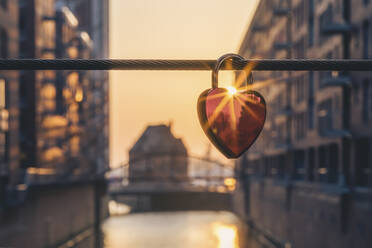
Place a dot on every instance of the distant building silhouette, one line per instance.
(157, 155)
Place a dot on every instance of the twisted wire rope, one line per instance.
(202, 65)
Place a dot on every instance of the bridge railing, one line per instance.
(172, 171)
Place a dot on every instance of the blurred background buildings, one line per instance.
(306, 182)
(53, 124)
(313, 158)
(49, 117)
(9, 86)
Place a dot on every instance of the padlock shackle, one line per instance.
(218, 65)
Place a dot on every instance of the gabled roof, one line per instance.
(158, 139)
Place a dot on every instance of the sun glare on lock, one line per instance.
(231, 90)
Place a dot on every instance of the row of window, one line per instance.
(3, 43)
(299, 120)
(367, 101)
(299, 14)
(316, 164)
(4, 116)
(304, 121)
(299, 87)
(326, 111)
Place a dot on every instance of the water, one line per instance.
(174, 229)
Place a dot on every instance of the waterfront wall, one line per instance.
(52, 217)
(305, 215)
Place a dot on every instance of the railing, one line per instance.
(167, 171)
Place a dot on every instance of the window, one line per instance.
(3, 124)
(299, 88)
(325, 121)
(299, 49)
(281, 167)
(299, 125)
(311, 104)
(333, 165)
(3, 43)
(356, 93)
(2, 93)
(366, 102)
(325, 75)
(299, 14)
(365, 40)
(311, 113)
(311, 164)
(299, 162)
(325, 19)
(362, 162)
(311, 23)
(328, 163)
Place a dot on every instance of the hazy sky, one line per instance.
(172, 29)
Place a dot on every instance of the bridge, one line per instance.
(207, 185)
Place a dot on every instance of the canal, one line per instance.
(174, 229)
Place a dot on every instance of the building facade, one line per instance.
(9, 112)
(311, 167)
(96, 106)
(64, 114)
(53, 125)
(158, 156)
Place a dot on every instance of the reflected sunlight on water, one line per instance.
(227, 235)
(173, 229)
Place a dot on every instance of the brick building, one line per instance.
(310, 170)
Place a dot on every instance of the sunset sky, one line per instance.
(168, 29)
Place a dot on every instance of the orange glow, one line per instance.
(138, 98)
(227, 235)
(40, 171)
(231, 90)
(230, 183)
(79, 95)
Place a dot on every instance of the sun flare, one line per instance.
(231, 90)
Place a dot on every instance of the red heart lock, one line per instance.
(232, 119)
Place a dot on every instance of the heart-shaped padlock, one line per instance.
(232, 118)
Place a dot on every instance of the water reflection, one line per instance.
(226, 235)
(173, 229)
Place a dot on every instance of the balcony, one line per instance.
(335, 81)
(282, 46)
(259, 28)
(281, 12)
(336, 28)
(335, 133)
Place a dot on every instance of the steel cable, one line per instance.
(202, 65)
